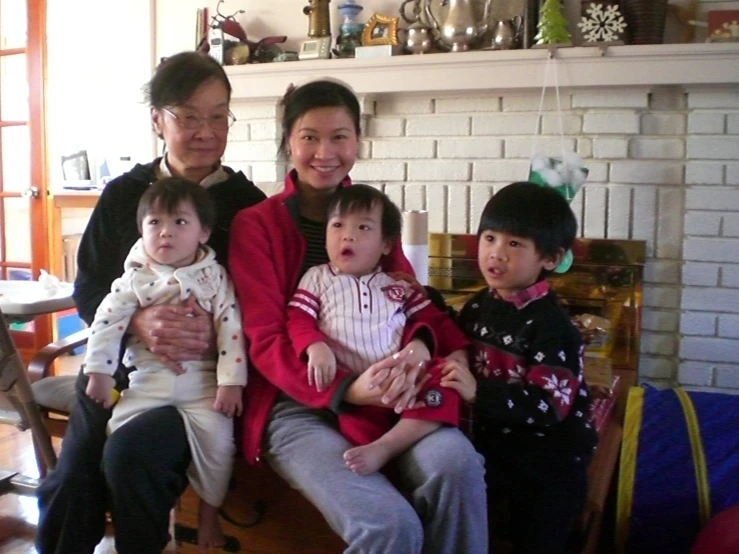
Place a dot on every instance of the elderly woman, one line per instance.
(144, 462)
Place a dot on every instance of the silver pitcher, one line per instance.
(460, 29)
(419, 37)
(507, 34)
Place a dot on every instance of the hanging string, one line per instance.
(541, 107)
(559, 113)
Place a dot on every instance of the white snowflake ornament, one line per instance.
(602, 23)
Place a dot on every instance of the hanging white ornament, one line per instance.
(602, 24)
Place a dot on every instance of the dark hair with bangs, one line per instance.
(316, 94)
(179, 76)
(168, 193)
(363, 198)
(534, 212)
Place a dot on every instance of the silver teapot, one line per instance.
(460, 30)
(419, 38)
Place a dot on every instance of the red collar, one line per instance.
(524, 297)
(291, 182)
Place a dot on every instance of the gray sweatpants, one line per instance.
(442, 473)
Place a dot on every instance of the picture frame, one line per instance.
(380, 29)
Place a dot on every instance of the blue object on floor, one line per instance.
(679, 466)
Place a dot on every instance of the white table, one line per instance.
(25, 300)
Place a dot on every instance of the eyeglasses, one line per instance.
(191, 121)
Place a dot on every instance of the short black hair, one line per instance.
(317, 94)
(179, 76)
(364, 198)
(534, 212)
(168, 193)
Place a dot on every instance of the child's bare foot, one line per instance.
(210, 534)
(368, 458)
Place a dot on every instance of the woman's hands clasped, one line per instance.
(176, 332)
(395, 381)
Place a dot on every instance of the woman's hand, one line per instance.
(176, 333)
(393, 382)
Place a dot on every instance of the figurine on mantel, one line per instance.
(553, 25)
(351, 30)
(242, 50)
(319, 18)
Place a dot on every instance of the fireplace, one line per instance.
(603, 291)
(656, 125)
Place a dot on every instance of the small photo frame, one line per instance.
(380, 29)
(723, 25)
(76, 167)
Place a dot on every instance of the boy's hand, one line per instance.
(321, 365)
(229, 400)
(461, 356)
(456, 375)
(100, 389)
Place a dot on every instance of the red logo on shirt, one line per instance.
(394, 293)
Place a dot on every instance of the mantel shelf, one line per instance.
(467, 72)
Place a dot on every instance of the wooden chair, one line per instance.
(18, 408)
(55, 395)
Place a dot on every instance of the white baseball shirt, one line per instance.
(363, 318)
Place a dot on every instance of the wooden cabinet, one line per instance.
(59, 201)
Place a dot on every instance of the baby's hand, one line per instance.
(100, 389)
(321, 365)
(229, 400)
(456, 375)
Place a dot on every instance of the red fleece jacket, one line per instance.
(266, 252)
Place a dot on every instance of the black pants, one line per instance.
(544, 493)
(138, 473)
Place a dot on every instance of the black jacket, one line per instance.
(112, 229)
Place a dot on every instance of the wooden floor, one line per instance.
(308, 533)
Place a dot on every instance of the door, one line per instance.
(23, 169)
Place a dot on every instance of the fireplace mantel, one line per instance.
(689, 65)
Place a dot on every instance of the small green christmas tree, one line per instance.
(552, 24)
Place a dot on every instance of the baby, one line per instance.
(361, 314)
(168, 264)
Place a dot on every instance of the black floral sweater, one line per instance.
(527, 357)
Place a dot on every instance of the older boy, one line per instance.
(529, 401)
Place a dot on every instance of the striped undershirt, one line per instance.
(314, 233)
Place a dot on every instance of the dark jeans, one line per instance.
(544, 492)
(138, 472)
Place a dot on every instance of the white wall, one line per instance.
(100, 54)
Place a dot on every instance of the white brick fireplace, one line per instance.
(657, 126)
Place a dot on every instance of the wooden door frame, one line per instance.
(36, 64)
